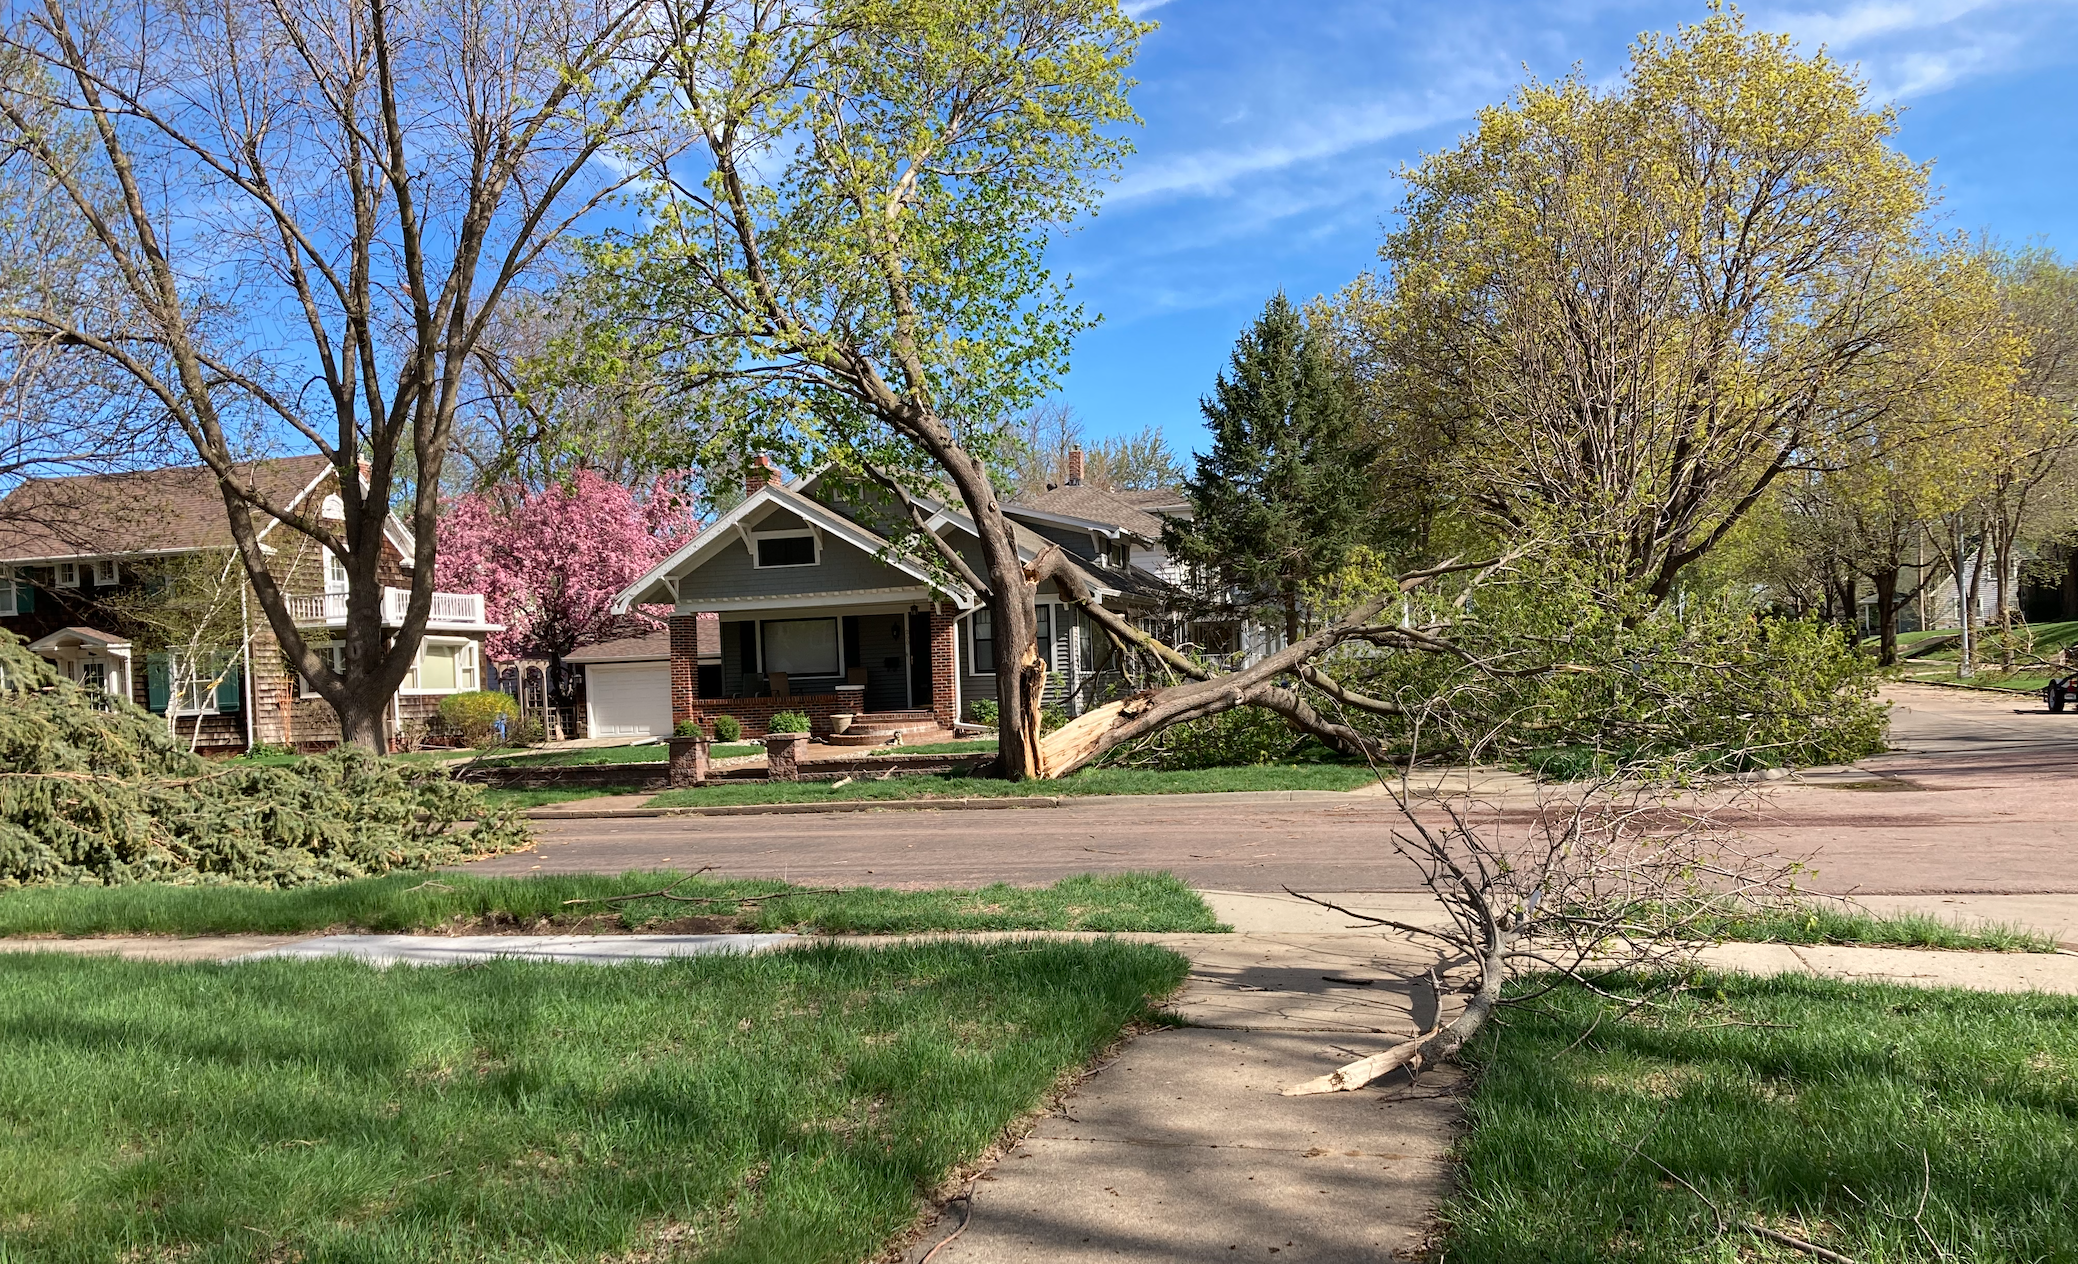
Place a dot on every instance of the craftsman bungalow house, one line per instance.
(69, 546)
(817, 612)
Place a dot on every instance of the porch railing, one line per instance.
(449, 609)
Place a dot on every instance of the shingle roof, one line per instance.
(147, 511)
(651, 645)
(1127, 511)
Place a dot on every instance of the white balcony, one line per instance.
(450, 610)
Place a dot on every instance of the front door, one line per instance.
(919, 639)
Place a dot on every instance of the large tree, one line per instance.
(1283, 494)
(1633, 309)
(302, 220)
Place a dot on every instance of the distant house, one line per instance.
(70, 546)
(813, 609)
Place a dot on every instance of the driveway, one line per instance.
(1978, 796)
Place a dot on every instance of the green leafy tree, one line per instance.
(1282, 496)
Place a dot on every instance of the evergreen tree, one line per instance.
(1281, 498)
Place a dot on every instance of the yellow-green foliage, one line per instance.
(95, 791)
(474, 716)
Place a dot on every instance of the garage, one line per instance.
(628, 699)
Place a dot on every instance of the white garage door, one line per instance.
(629, 698)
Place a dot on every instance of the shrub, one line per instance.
(1231, 739)
(789, 722)
(473, 717)
(98, 792)
(689, 728)
(990, 715)
(727, 728)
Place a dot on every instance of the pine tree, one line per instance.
(1281, 498)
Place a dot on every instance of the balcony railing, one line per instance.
(449, 609)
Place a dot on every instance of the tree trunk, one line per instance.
(1885, 581)
(1962, 600)
(364, 725)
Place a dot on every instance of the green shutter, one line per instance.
(228, 691)
(24, 596)
(155, 687)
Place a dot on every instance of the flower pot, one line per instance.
(841, 722)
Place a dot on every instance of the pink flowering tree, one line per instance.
(550, 562)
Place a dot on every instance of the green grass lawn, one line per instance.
(1088, 781)
(647, 753)
(1822, 1109)
(403, 902)
(541, 797)
(784, 1108)
(1826, 924)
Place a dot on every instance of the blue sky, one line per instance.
(1274, 130)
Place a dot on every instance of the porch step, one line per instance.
(896, 722)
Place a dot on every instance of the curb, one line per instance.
(945, 805)
(787, 809)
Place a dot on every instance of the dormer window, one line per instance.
(787, 548)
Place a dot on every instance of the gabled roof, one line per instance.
(1133, 512)
(65, 637)
(172, 510)
(727, 530)
(177, 509)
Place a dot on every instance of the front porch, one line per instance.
(889, 669)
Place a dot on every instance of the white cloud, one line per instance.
(1909, 48)
(1206, 172)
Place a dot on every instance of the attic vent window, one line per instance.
(786, 550)
(334, 509)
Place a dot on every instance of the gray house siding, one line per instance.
(844, 568)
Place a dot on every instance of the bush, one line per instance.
(789, 722)
(688, 728)
(986, 713)
(727, 728)
(1231, 739)
(473, 717)
(100, 793)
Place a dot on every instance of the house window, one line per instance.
(93, 674)
(68, 574)
(7, 598)
(335, 572)
(201, 683)
(983, 638)
(334, 509)
(794, 548)
(104, 571)
(801, 647)
(443, 666)
(1044, 633)
(334, 656)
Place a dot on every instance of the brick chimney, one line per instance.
(1075, 466)
(761, 476)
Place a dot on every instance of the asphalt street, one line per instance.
(1976, 796)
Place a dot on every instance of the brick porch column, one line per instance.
(945, 660)
(685, 666)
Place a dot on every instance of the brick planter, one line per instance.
(689, 760)
(783, 755)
